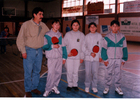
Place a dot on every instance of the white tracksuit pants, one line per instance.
(113, 66)
(91, 73)
(72, 66)
(54, 73)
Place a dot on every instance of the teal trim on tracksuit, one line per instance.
(125, 54)
(60, 40)
(64, 50)
(104, 54)
(112, 44)
(48, 46)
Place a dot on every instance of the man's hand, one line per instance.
(64, 61)
(81, 60)
(93, 54)
(70, 54)
(24, 55)
(106, 63)
(56, 46)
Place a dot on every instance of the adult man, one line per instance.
(29, 42)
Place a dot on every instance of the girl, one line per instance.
(92, 58)
(74, 40)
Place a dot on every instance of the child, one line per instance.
(56, 53)
(114, 53)
(74, 40)
(91, 58)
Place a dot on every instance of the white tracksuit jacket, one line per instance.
(90, 41)
(74, 40)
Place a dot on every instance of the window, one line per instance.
(108, 4)
(72, 8)
(121, 3)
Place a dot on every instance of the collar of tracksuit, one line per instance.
(54, 32)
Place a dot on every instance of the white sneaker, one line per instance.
(56, 90)
(86, 89)
(95, 90)
(46, 93)
(119, 91)
(106, 90)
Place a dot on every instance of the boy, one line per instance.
(114, 53)
(54, 53)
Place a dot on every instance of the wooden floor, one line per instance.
(12, 73)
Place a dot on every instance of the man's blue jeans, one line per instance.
(32, 66)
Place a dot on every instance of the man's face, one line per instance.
(115, 28)
(56, 26)
(75, 26)
(39, 16)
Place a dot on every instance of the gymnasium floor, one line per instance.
(12, 79)
(130, 80)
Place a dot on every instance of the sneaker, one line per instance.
(69, 88)
(76, 88)
(106, 90)
(119, 91)
(56, 91)
(46, 93)
(95, 90)
(86, 89)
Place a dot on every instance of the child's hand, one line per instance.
(106, 63)
(81, 60)
(93, 55)
(123, 63)
(64, 61)
(70, 54)
(56, 46)
(100, 59)
(24, 55)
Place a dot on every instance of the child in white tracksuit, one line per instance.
(114, 53)
(57, 55)
(73, 39)
(91, 58)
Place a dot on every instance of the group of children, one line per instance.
(112, 49)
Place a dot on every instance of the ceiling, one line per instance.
(41, 0)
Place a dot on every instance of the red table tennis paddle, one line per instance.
(74, 52)
(95, 49)
(55, 40)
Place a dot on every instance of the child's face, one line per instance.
(75, 26)
(56, 26)
(92, 29)
(115, 28)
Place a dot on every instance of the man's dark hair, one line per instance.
(75, 20)
(115, 22)
(36, 10)
(55, 21)
(92, 23)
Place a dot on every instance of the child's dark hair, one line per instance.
(36, 10)
(55, 21)
(115, 22)
(75, 20)
(92, 23)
